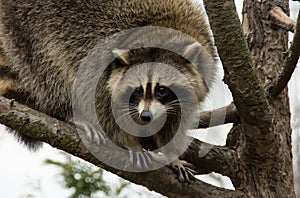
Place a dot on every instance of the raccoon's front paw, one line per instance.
(141, 160)
(184, 174)
(89, 132)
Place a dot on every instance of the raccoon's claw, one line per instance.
(185, 174)
(90, 132)
(140, 160)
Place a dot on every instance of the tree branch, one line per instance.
(289, 64)
(249, 96)
(215, 158)
(64, 136)
(208, 158)
(282, 20)
(216, 117)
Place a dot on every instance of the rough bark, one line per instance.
(281, 19)
(216, 117)
(263, 139)
(290, 63)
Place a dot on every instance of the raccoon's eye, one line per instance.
(138, 91)
(161, 91)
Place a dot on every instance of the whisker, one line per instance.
(129, 112)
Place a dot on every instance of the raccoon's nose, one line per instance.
(146, 116)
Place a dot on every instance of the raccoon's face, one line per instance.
(152, 100)
(152, 93)
(153, 84)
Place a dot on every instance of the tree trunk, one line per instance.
(264, 148)
(268, 54)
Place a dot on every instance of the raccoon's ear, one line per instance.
(122, 55)
(201, 59)
(192, 51)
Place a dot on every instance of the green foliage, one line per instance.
(85, 179)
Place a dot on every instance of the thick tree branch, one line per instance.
(240, 75)
(64, 136)
(216, 117)
(215, 158)
(289, 64)
(282, 20)
(208, 158)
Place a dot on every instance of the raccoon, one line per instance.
(152, 88)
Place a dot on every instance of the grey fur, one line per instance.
(46, 41)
